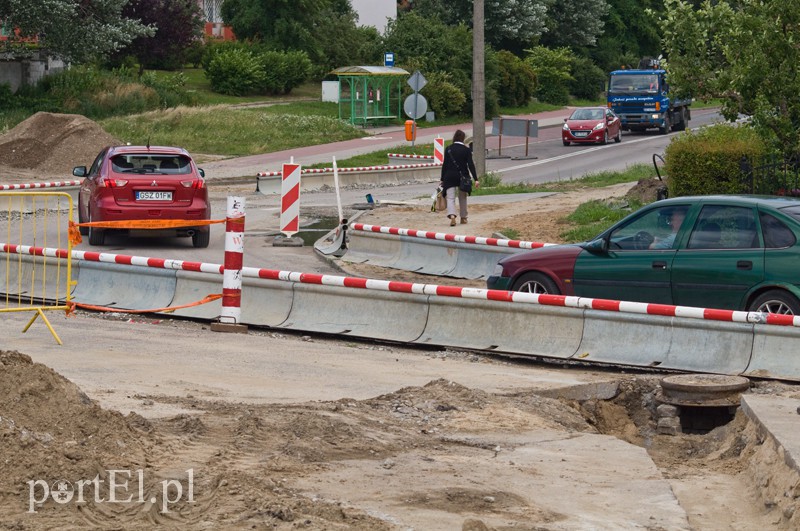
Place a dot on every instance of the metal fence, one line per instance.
(774, 176)
(34, 282)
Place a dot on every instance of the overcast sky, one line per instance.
(374, 12)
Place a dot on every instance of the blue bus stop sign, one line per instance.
(388, 59)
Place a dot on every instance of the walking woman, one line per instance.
(458, 172)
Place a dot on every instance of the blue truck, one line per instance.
(642, 100)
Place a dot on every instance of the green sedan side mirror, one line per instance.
(598, 246)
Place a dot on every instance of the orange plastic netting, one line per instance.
(71, 306)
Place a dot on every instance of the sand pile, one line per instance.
(52, 144)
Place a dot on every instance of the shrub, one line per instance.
(588, 80)
(7, 99)
(236, 72)
(194, 53)
(297, 70)
(517, 80)
(444, 98)
(707, 161)
(171, 89)
(273, 64)
(283, 71)
(552, 68)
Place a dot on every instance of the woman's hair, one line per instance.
(459, 136)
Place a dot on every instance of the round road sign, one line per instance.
(415, 106)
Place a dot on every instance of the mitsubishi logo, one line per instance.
(154, 183)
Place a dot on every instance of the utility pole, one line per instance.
(478, 89)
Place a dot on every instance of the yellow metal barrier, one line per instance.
(34, 281)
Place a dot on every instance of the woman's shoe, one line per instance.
(463, 221)
(452, 221)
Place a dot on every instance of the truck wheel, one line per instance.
(681, 126)
(667, 125)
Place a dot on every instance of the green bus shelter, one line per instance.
(370, 94)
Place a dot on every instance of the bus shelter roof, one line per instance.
(370, 71)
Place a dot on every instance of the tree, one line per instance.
(745, 54)
(509, 24)
(178, 23)
(325, 29)
(574, 23)
(73, 30)
(432, 45)
(630, 32)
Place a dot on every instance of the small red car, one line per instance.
(144, 182)
(591, 125)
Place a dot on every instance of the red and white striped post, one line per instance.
(232, 270)
(438, 150)
(290, 199)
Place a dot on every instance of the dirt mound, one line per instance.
(51, 430)
(53, 143)
(646, 190)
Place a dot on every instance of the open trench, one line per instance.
(725, 472)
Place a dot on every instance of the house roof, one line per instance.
(370, 71)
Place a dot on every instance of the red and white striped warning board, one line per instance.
(438, 150)
(290, 199)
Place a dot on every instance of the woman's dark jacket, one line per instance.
(456, 156)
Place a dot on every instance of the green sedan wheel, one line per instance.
(776, 301)
(536, 283)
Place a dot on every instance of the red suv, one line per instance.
(144, 182)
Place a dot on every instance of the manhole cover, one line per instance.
(703, 390)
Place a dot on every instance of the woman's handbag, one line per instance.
(466, 183)
(439, 202)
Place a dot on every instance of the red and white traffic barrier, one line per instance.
(438, 150)
(666, 310)
(443, 236)
(234, 257)
(352, 169)
(290, 199)
(405, 156)
(31, 186)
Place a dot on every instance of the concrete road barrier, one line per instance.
(473, 262)
(35, 277)
(191, 286)
(530, 329)
(375, 249)
(266, 302)
(425, 256)
(591, 330)
(666, 342)
(775, 353)
(356, 312)
(431, 253)
(124, 286)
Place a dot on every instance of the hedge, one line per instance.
(708, 161)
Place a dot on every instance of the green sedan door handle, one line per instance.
(747, 265)
(658, 264)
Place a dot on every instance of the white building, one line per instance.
(375, 12)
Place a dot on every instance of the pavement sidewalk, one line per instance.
(379, 138)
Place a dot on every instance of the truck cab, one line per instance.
(642, 100)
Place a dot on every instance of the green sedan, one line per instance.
(728, 252)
